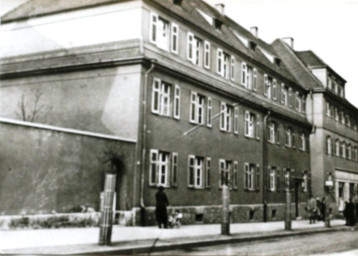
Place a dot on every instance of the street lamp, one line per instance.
(329, 186)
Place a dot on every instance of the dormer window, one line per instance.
(177, 2)
(252, 45)
(277, 61)
(218, 23)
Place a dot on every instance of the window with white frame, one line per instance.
(251, 176)
(298, 102)
(225, 172)
(329, 145)
(235, 175)
(244, 74)
(197, 108)
(207, 54)
(336, 115)
(337, 148)
(254, 79)
(343, 149)
(286, 175)
(272, 177)
(174, 174)
(160, 32)
(236, 119)
(303, 142)
(175, 38)
(161, 98)
(349, 152)
(356, 154)
(222, 63)
(209, 112)
(252, 125)
(305, 182)
(288, 140)
(195, 171)
(159, 168)
(248, 76)
(232, 68)
(290, 97)
(284, 95)
(226, 112)
(328, 108)
(273, 133)
(274, 89)
(194, 49)
(208, 172)
(267, 86)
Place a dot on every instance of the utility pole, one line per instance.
(329, 185)
(106, 222)
(225, 221)
(288, 225)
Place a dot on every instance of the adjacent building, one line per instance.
(163, 93)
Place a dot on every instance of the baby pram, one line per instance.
(174, 219)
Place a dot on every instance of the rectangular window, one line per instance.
(298, 102)
(244, 74)
(274, 90)
(343, 149)
(290, 97)
(267, 86)
(208, 171)
(235, 175)
(226, 112)
(284, 95)
(159, 168)
(176, 102)
(225, 172)
(303, 104)
(161, 98)
(175, 38)
(251, 125)
(232, 70)
(254, 80)
(194, 49)
(337, 148)
(305, 182)
(303, 142)
(272, 132)
(328, 108)
(219, 61)
(159, 31)
(236, 120)
(174, 174)
(272, 179)
(209, 112)
(288, 141)
(249, 176)
(349, 152)
(195, 171)
(197, 108)
(226, 66)
(207, 54)
(328, 145)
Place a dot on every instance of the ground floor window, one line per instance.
(162, 166)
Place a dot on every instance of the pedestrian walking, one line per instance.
(323, 208)
(311, 209)
(161, 208)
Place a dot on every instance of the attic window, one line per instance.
(218, 24)
(252, 45)
(278, 61)
(177, 2)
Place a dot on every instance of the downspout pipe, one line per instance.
(264, 166)
(143, 139)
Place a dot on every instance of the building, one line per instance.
(334, 140)
(184, 98)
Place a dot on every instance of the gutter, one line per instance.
(143, 140)
(264, 166)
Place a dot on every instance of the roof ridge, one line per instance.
(290, 50)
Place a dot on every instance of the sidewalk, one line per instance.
(137, 239)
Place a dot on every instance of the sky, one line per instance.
(327, 27)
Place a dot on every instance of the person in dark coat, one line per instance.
(323, 208)
(349, 213)
(161, 207)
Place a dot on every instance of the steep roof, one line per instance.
(188, 10)
(310, 59)
(36, 8)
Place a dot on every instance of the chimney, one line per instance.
(289, 41)
(220, 8)
(255, 31)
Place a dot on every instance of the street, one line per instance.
(337, 243)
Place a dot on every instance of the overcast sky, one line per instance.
(327, 27)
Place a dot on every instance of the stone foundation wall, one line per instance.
(212, 214)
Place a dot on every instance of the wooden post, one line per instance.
(106, 221)
(225, 223)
